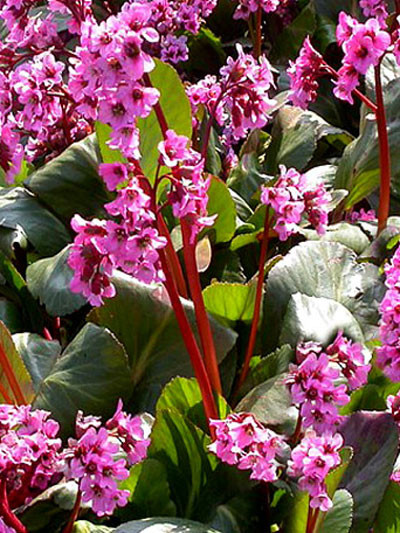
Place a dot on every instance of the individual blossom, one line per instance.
(293, 197)
(4, 528)
(388, 354)
(311, 461)
(243, 441)
(304, 74)
(393, 405)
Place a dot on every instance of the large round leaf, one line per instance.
(19, 208)
(317, 319)
(70, 183)
(148, 329)
(321, 269)
(49, 280)
(91, 376)
(373, 436)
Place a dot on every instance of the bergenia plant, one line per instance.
(190, 252)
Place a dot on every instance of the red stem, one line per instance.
(206, 336)
(312, 519)
(190, 342)
(12, 380)
(157, 108)
(257, 305)
(295, 437)
(172, 258)
(75, 512)
(258, 39)
(6, 513)
(384, 153)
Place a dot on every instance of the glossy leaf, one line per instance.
(70, 183)
(176, 108)
(49, 280)
(155, 347)
(230, 301)
(339, 517)
(220, 203)
(91, 375)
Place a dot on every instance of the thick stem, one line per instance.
(257, 304)
(75, 513)
(12, 380)
(312, 520)
(190, 342)
(297, 432)
(6, 513)
(384, 153)
(172, 258)
(157, 108)
(203, 322)
(258, 35)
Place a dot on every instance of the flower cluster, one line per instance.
(242, 441)
(4, 528)
(95, 459)
(393, 404)
(105, 78)
(173, 18)
(293, 196)
(240, 100)
(363, 45)
(29, 452)
(313, 383)
(188, 194)
(311, 461)
(130, 241)
(304, 74)
(361, 216)
(247, 7)
(376, 9)
(388, 354)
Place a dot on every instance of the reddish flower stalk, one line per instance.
(206, 336)
(190, 343)
(75, 512)
(172, 258)
(384, 153)
(12, 380)
(257, 305)
(6, 513)
(297, 432)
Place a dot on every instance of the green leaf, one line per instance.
(319, 269)
(38, 354)
(164, 525)
(271, 403)
(82, 526)
(317, 319)
(230, 301)
(150, 492)
(262, 369)
(359, 169)
(49, 280)
(220, 203)
(347, 234)
(184, 395)
(19, 209)
(108, 155)
(70, 183)
(298, 517)
(388, 517)
(176, 108)
(206, 52)
(291, 38)
(339, 517)
(10, 315)
(11, 359)
(373, 436)
(91, 375)
(155, 347)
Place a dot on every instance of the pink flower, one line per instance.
(173, 149)
(113, 174)
(304, 74)
(376, 9)
(247, 7)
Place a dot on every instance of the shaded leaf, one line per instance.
(164, 525)
(388, 517)
(91, 375)
(220, 203)
(339, 517)
(49, 280)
